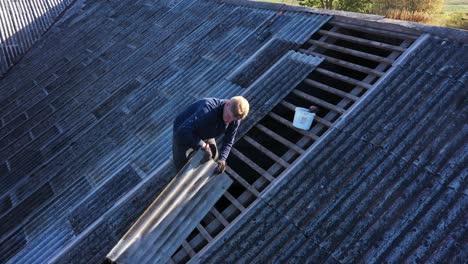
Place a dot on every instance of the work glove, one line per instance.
(207, 155)
(221, 166)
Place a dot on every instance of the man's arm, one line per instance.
(228, 141)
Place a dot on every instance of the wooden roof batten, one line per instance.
(352, 52)
(345, 64)
(362, 41)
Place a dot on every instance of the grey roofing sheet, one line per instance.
(97, 95)
(22, 23)
(162, 228)
(284, 75)
(388, 182)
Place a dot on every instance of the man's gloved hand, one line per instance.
(207, 153)
(221, 166)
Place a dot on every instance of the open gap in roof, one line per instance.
(241, 168)
(279, 128)
(315, 92)
(363, 48)
(268, 142)
(221, 205)
(343, 70)
(350, 58)
(332, 82)
(236, 189)
(254, 154)
(374, 37)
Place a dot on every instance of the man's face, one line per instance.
(228, 116)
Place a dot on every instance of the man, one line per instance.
(198, 125)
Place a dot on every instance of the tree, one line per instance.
(362, 6)
(345, 5)
(326, 4)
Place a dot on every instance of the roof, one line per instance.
(388, 183)
(85, 135)
(22, 23)
(86, 115)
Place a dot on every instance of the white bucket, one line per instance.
(303, 118)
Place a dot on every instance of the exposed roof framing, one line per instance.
(274, 143)
(350, 51)
(373, 30)
(346, 64)
(362, 41)
(386, 177)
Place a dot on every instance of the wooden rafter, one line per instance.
(252, 164)
(344, 78)
(291, 126)
(266, 151)
(376, 31)
(362, 41)
(315, 100)
(346, 64)
(349, 51)
(330, 89)
(243, 182)
(188, 249)
(204, 233)
(280, 139)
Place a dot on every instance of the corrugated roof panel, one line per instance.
(292, 31)
(157, 234)
(52, 240)
(46, 218)
(386, 183)
(22, 23)
(96, 102)
(234, 37)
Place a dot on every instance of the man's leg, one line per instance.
(178, 154)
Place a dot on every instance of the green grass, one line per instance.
(455, 8)
(456, 2)
(454, 14)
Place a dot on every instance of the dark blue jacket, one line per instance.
(204, 120)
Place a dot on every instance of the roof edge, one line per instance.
(455, 34)
(303, 9)
(377, 21)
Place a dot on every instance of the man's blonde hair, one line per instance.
(239, 107)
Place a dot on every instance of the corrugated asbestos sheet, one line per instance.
(158, 232)
(86, 116)
(388, 183)
(22, 23)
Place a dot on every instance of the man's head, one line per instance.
(237, 108)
